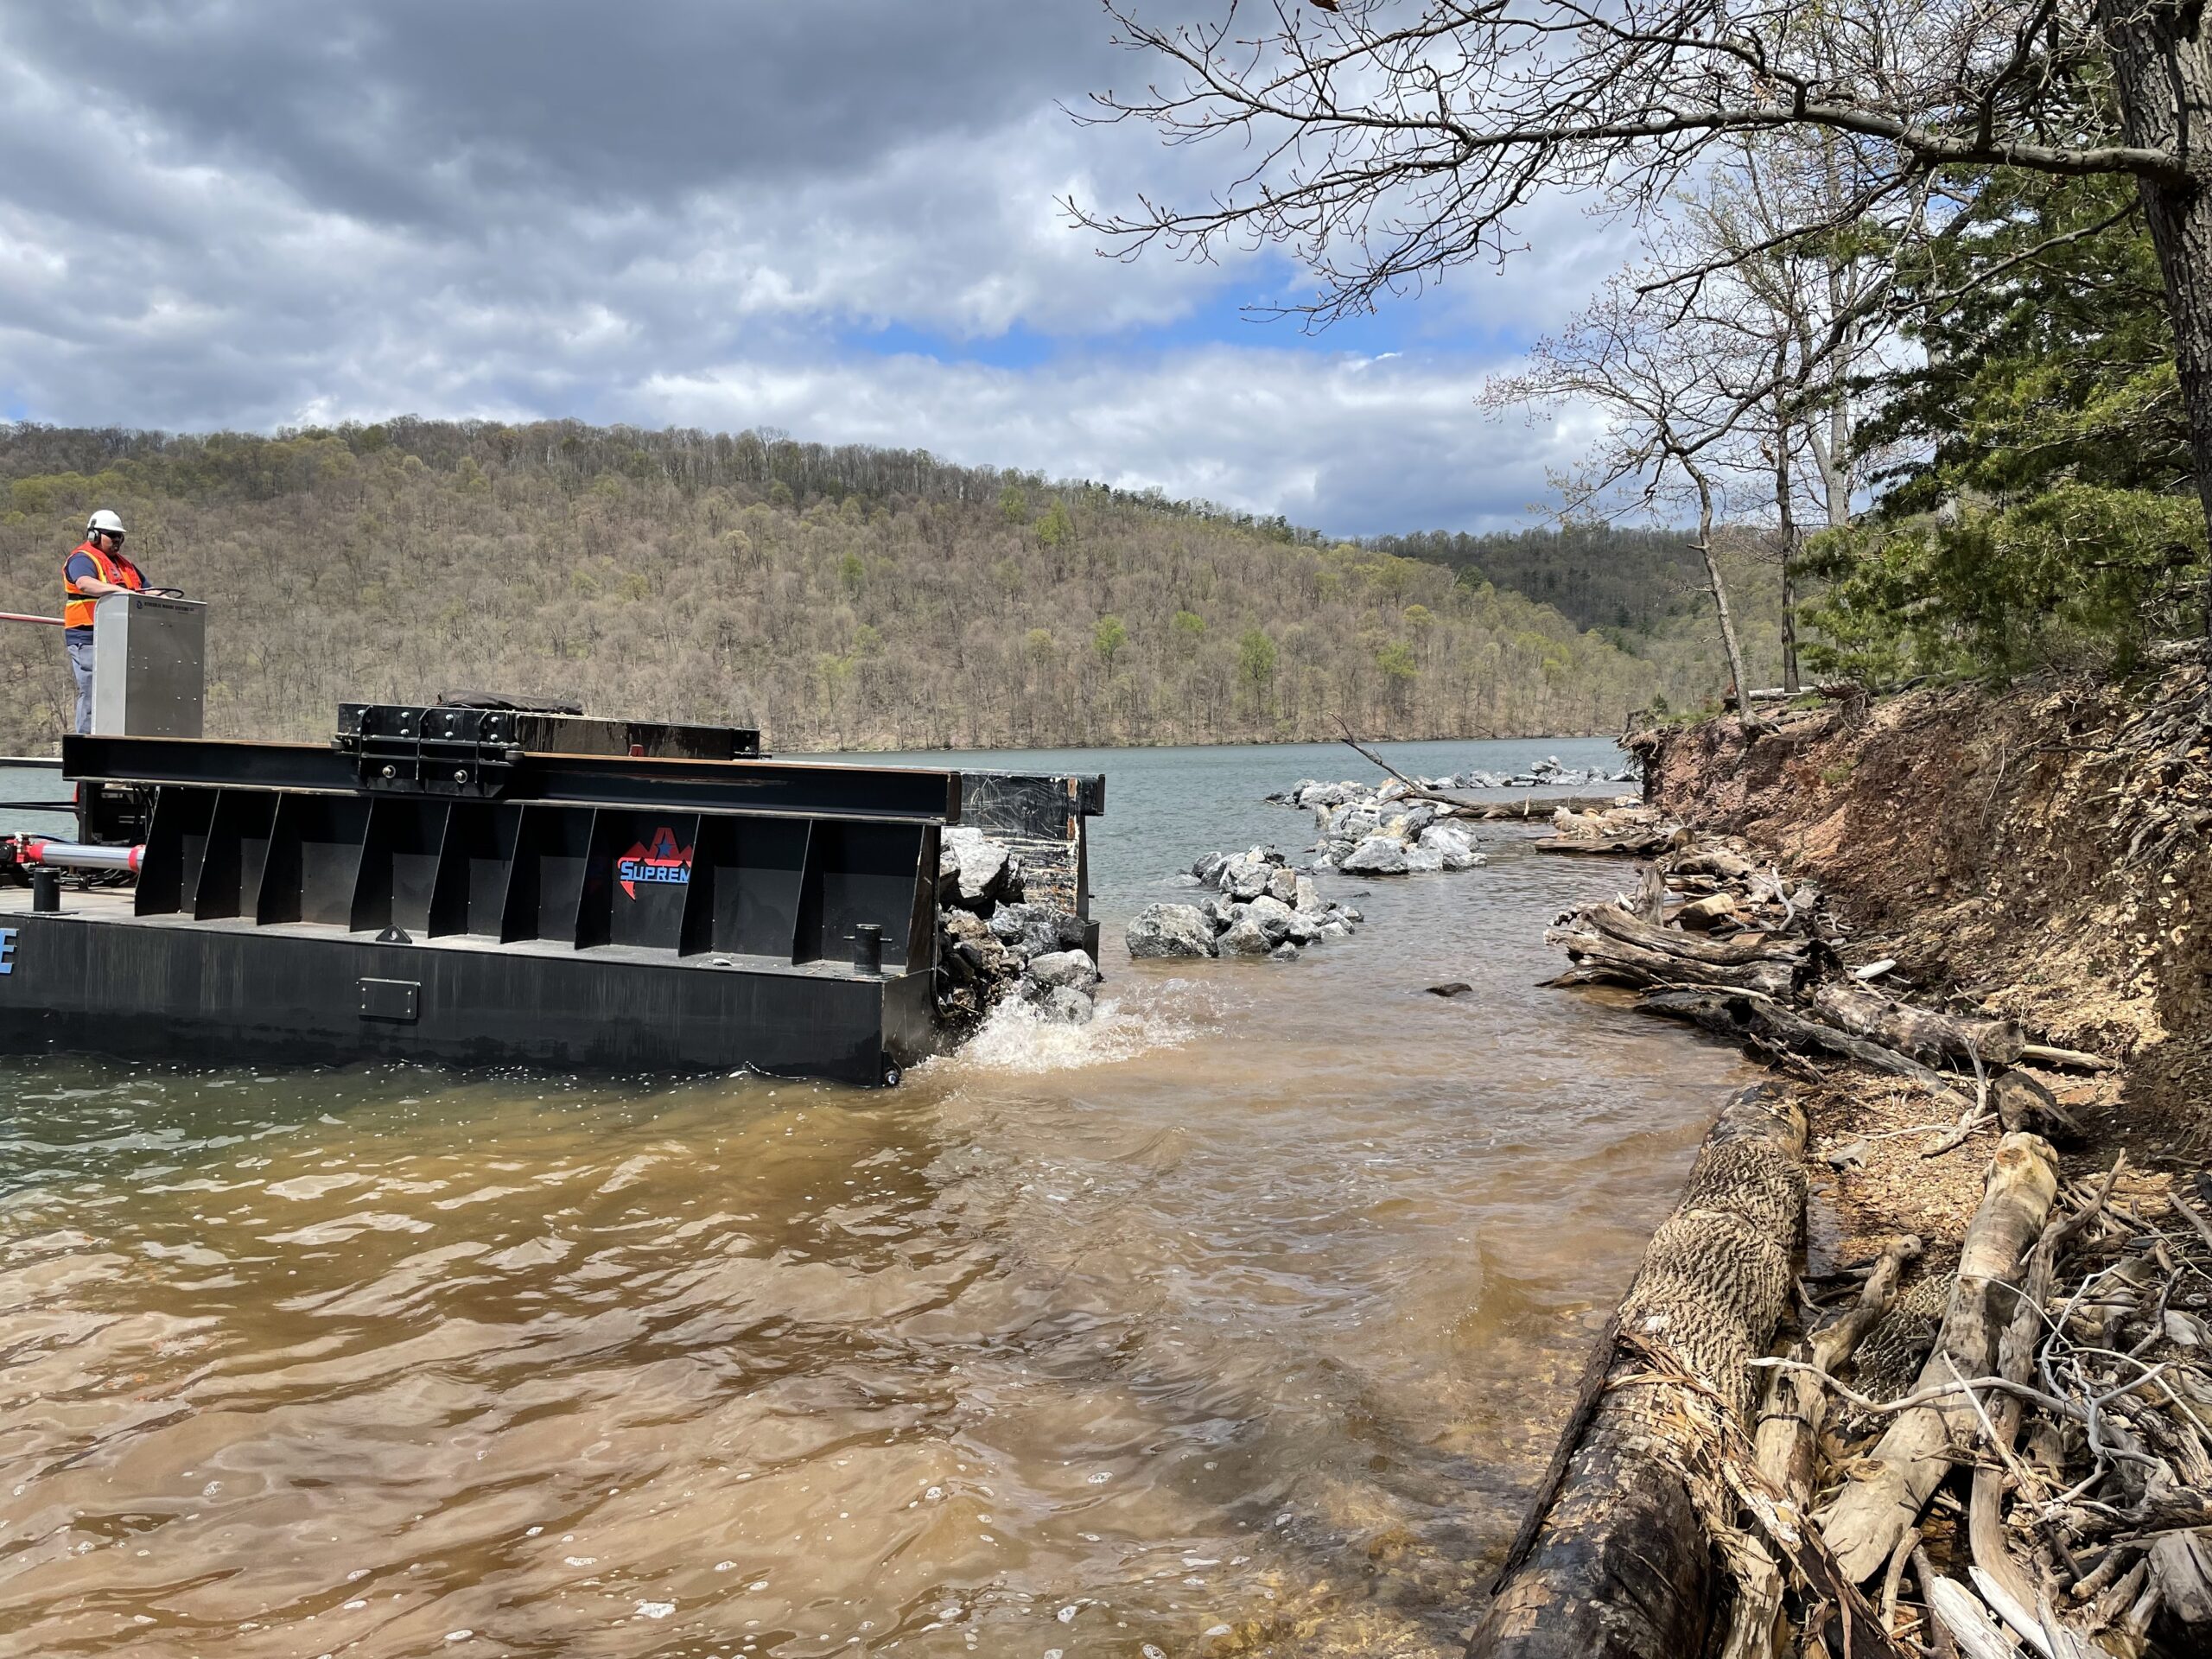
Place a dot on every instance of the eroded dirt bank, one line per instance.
(2044, 854)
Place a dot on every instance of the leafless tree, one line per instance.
(1801, 303)
(1672, 394)
(1386, 141)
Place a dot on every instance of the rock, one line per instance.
(1705, 913)
(1271, 916)
(1451, 988)
(1422, 860)
(1063, 1007)
(1219, 911)
(1423, 814)
(1284, 952)
(1282, 885)
(1376, 855)
(1245, 938)
(1454, 843)
(1307, 898)
(1349, 913)
(1037, 930)
(1353, 821)
(1245, 877)
(1208, 868)
(961, 924)
(1335, 927)
(1170, 931)
(988, 957)
(1071, 969)
(1327, 862)
(977, 871)
(1304, 929)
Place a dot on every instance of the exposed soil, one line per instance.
(2045, 854)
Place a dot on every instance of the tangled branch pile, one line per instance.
(2012, 1451)
(1757, 958)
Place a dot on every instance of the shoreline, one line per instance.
(2000, 925)
(1325, 741)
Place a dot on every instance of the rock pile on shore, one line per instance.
(994, 946)
(1258, 907)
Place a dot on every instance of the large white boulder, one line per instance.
(1245, 938)
(1454, 844)
(1376, 855)
(1072, 968)
(1170, 931)
(976, 867)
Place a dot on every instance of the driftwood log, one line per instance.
(1529, 807)
(1637, 964)
(1717, 861)
(1933, 1039)
(1637, 843)
(1617, 1558)
(1636, 930)
(1888, 1488)
(1796, 1404)
(1762, 1022)
(2024, 1104)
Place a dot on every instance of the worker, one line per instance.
(96, 566)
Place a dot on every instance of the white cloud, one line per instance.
(1327, 441)
(251, 214)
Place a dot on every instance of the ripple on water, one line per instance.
(1239, 1318)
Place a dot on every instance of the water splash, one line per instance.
(1016, 1038)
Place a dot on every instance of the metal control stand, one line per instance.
(149, 666)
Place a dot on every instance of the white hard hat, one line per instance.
(104, 520)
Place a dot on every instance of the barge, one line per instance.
(482, 882)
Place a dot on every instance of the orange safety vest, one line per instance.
(76, 607)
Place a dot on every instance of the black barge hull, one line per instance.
(427, 888)
(89, 980)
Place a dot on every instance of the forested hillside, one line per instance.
(1644, 589)
(1597, 575)
(838, 598)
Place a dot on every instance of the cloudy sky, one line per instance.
(836, 216)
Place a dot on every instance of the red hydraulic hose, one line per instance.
(18, 616)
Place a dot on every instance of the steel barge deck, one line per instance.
(426, 889)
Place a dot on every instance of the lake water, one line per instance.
(1238, 1322)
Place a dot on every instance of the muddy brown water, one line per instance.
(1238, 1323)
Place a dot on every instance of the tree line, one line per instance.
(1921, 317)
(837, 598)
